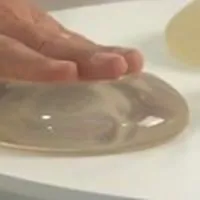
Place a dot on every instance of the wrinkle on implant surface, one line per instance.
(124, 115)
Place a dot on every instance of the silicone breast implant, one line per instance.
(183, 34)
(89, 118)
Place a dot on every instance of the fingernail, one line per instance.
(135, 61)
(64, 70)
(109, 64)
(102, 58)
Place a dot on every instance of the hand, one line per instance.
(35, 47)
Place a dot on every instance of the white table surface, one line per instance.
(170, 171)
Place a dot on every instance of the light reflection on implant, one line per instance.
(151, 121)
(46, 117)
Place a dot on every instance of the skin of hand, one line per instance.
(35, 47)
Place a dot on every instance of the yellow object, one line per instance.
(183, 34)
